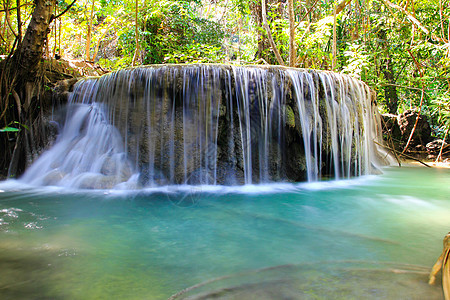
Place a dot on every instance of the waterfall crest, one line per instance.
(211, 124)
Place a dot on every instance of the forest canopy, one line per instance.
(401, 49)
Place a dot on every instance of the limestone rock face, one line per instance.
(214, 124)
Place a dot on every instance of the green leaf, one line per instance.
(23, 125)
(9, 129)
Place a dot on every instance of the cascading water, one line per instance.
(211, 124)
(87, 146)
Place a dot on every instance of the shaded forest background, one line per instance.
(401, 49)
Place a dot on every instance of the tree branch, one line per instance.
(413, 20)
(342, 5)
(391, 141)
(63, 12)
(269, 34)
(19, 23)
(292, 50)
(403, 154)
(334, 46)
(307, 13)
(439, 157)
(14, 8)
(442, 19)
(421, 101)
(409, 16)
(403, 86)
(8, 21)
(415, 123)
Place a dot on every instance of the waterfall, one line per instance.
(211, 124)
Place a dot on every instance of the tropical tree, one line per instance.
(19, 79)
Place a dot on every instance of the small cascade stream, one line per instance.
(211, 124)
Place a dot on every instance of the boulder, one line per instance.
(422, 133)
(434, 147)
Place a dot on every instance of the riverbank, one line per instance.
(433, 164)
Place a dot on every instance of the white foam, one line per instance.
(129, 189)
(407, 201)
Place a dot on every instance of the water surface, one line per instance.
(373, 237)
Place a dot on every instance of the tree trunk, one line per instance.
(390, 90)
(19, 77)
(334, 49)
(292, 50)
(269, 34)
(136, 37)
(89, 33)
(19, 23)
(264, 45)
(255, 7)
(8, 18)
(27, 57)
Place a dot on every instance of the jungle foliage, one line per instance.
(400, 48)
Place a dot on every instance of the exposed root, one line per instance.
(403, 154)
(444, 263)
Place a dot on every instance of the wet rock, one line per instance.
(53, 177)
(97, 181)
(200, 124)
(290, 116)
(422, 133)
(434, 147)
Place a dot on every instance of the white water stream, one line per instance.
(208, 125)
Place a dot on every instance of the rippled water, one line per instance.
(371, 237)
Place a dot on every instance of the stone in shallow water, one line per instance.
(333, 281)
(53, 177)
